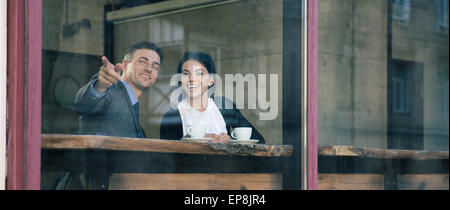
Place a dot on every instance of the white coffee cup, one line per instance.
(242, 133)
(196, 131)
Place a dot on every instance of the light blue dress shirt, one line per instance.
(130, 91)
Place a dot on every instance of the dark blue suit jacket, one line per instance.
(111, 115)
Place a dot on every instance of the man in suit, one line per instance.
(108, 104)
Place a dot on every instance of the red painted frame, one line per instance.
(33, 94)
(15, 77)
(24, 71)
(312, 95)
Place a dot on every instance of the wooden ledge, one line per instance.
(92, 142)
(365, 152)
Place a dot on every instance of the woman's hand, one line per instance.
(221, 138)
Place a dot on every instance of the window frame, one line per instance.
(24, 94)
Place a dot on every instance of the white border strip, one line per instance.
(3, 49)
(304, 96)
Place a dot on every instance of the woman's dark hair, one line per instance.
(204, 58)
(142, 45)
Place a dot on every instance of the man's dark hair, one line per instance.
(142, 45)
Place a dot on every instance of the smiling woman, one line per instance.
(195, 82)
(198, 108)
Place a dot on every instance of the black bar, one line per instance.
(108, 34)
(292, 86)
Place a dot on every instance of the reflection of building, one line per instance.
(425, 42)
(405, 105)
(359, 46)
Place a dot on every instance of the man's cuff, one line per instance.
(94, 92)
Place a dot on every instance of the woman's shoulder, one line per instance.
(171, 112)
(171, 118)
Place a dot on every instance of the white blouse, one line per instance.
(211, 117)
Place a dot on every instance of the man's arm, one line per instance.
(88, 98)
(94, 92)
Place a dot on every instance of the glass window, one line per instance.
(242, 37)
(442, 14)
(219, 94)
(381, 91)
(400, 104)
(401, 10)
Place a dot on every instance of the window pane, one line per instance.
(382, 85)
(249, 48)
(214, 103)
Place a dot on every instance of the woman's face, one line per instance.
(195, 79)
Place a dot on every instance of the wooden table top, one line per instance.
(93, 142)
(366, 152)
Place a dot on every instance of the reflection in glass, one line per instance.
(381, 83)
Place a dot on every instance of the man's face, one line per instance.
(143, 69)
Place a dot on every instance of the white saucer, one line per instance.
(247, 141)
(197, 139)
